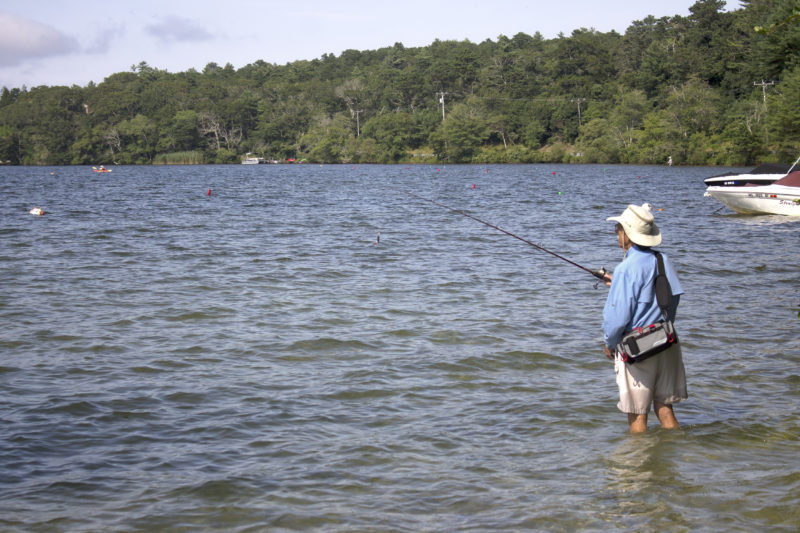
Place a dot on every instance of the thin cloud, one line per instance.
(177, 29)
(23, 39)
(104, 38)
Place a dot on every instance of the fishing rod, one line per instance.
(600, 273)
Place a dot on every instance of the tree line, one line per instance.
(712, 88)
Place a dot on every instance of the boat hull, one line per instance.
(767, 200)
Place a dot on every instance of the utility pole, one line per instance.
(358, 125)
(441, 101)
(764, 85)
(579, 100)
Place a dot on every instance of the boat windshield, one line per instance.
(790, 180)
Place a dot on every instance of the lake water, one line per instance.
(225, 348)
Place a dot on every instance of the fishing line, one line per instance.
(600, 273)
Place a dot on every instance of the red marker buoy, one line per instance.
(473, 185)
(554, 173)
(208, 193)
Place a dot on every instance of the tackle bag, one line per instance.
(643, 343)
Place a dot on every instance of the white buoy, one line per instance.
(37, 211)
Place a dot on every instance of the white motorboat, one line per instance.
(779, 198)
(253, 161)
(765, 174)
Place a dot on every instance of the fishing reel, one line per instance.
(600, 274)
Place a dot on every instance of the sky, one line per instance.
(57, 42)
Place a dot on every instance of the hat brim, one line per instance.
(642, 239)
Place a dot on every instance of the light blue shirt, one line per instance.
(631, 300)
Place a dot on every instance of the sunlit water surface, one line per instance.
(226, 348)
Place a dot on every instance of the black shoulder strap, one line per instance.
(663, 290)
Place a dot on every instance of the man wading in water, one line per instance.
(661, 379)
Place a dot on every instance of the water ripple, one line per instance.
(254, 361)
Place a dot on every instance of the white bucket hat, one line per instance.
(639, 225)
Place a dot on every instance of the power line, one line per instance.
(546, 99)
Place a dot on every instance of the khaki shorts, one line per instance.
(661, 378)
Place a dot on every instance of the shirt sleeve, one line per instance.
(672, 276)
(672, 311)
(675, 286)
(619, 309)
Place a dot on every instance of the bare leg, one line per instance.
(637, 423)
(665, 415)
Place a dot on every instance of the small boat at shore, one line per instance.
(249, 159)
(782, 197)
(765, 174)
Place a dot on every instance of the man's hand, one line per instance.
(603, 275)
(608, 352)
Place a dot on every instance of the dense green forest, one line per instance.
(715, 87)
